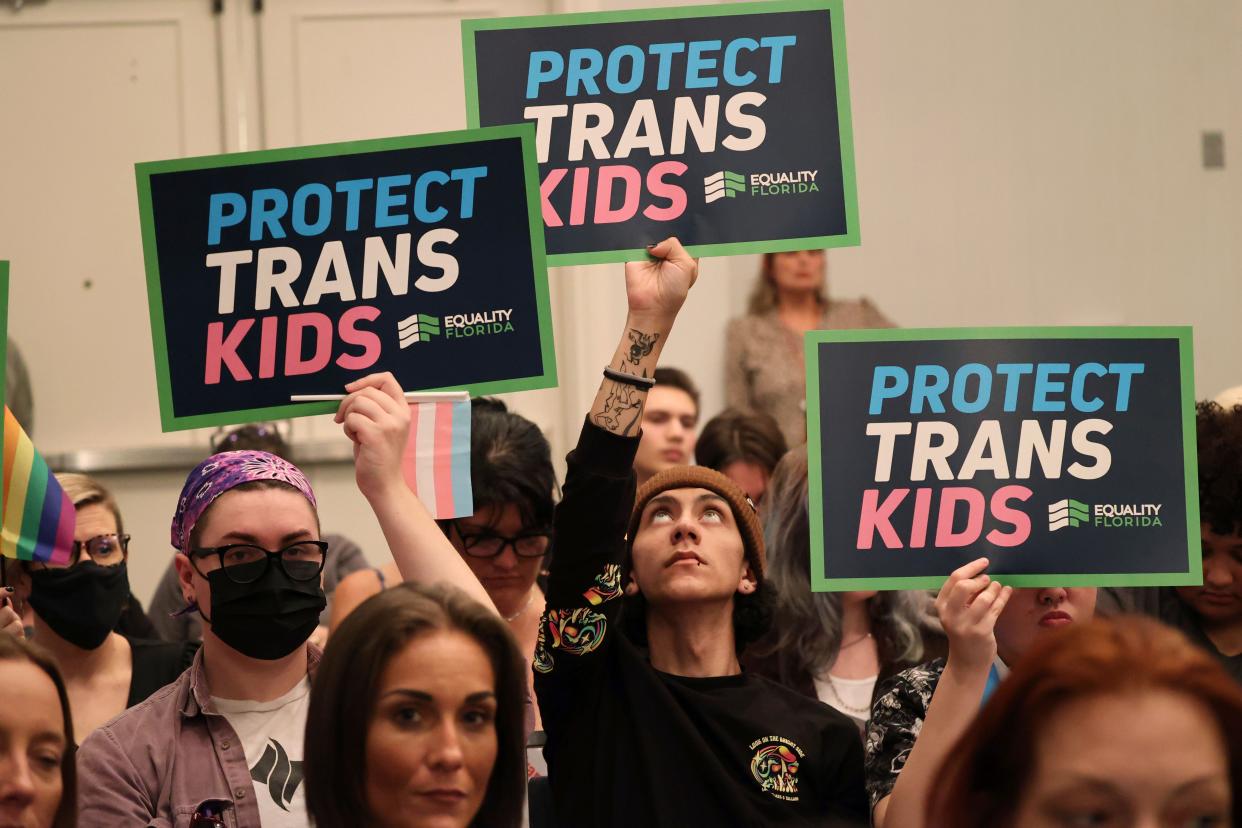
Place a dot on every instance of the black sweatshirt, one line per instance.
(631, 746)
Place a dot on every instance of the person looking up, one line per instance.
(650, 719)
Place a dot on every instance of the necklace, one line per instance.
(858, 640)
(530, 596)
(832, 689)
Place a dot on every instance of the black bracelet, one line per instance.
(644, 383)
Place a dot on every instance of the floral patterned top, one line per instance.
(901, 703)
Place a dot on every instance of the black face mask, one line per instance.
(81, 603)
(267, 619)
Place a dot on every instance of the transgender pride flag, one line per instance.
(39, 517)
(437, 455)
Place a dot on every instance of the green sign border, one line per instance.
(169, 421)
(1183, 335)
(845, 122)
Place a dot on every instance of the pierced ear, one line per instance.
(631, 587)
(749, 582)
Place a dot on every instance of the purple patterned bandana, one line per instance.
(221, 472)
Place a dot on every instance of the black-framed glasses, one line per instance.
(102, 549)
(245, 563)
(490, 545)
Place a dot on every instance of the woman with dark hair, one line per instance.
(834, 646)
(417, 717)
(38, 782)
(764, 364)
(1114, 723)
(504, 542)
(744, 447)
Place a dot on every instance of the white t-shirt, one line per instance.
(271, 734)
(851, 696)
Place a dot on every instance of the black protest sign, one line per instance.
(727, 126)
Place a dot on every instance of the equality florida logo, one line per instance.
(1072, 514)
(730, 184)
(420, 327)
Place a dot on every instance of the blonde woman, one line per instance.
(764, 366)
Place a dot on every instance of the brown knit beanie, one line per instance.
(701, 477)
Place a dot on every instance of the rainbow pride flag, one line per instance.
(436, 463)
(39, 518)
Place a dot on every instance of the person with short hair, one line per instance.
(652, 598)
(225, 741)
(167, 612)
(417, 716)
(1116, 722)
(919, 713)
(765, 367)
(833, 646)
(670, 420)
(38, 780)
(76, 608)
(744, 447)
(1209, 614)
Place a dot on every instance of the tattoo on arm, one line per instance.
(623, 408)
(641, 345)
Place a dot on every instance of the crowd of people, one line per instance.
(638, 645)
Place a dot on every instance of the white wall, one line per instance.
(1017, 163)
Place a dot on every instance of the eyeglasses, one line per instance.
(245, 563)
(491, 545)
(102, 549)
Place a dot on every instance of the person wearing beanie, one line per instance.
(653, 595)
(222, 745)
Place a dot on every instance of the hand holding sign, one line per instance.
(968, 605)
(377, 418)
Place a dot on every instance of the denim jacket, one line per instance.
(158, 762)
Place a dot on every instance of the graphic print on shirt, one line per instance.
(280, 775)
(575, 631)
(607, 586)
(775, 766)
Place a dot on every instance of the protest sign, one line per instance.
(1066, 456)
(294, 271)
(727, 126)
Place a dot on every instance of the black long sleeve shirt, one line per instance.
(631, 746)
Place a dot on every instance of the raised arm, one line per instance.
(968, 604)
(655, 290)
(377, 418)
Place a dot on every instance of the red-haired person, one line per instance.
(1210, 614)
(1118, 723)
(919, 713)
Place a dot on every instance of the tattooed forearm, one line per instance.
(641, 345)
(622, 409)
